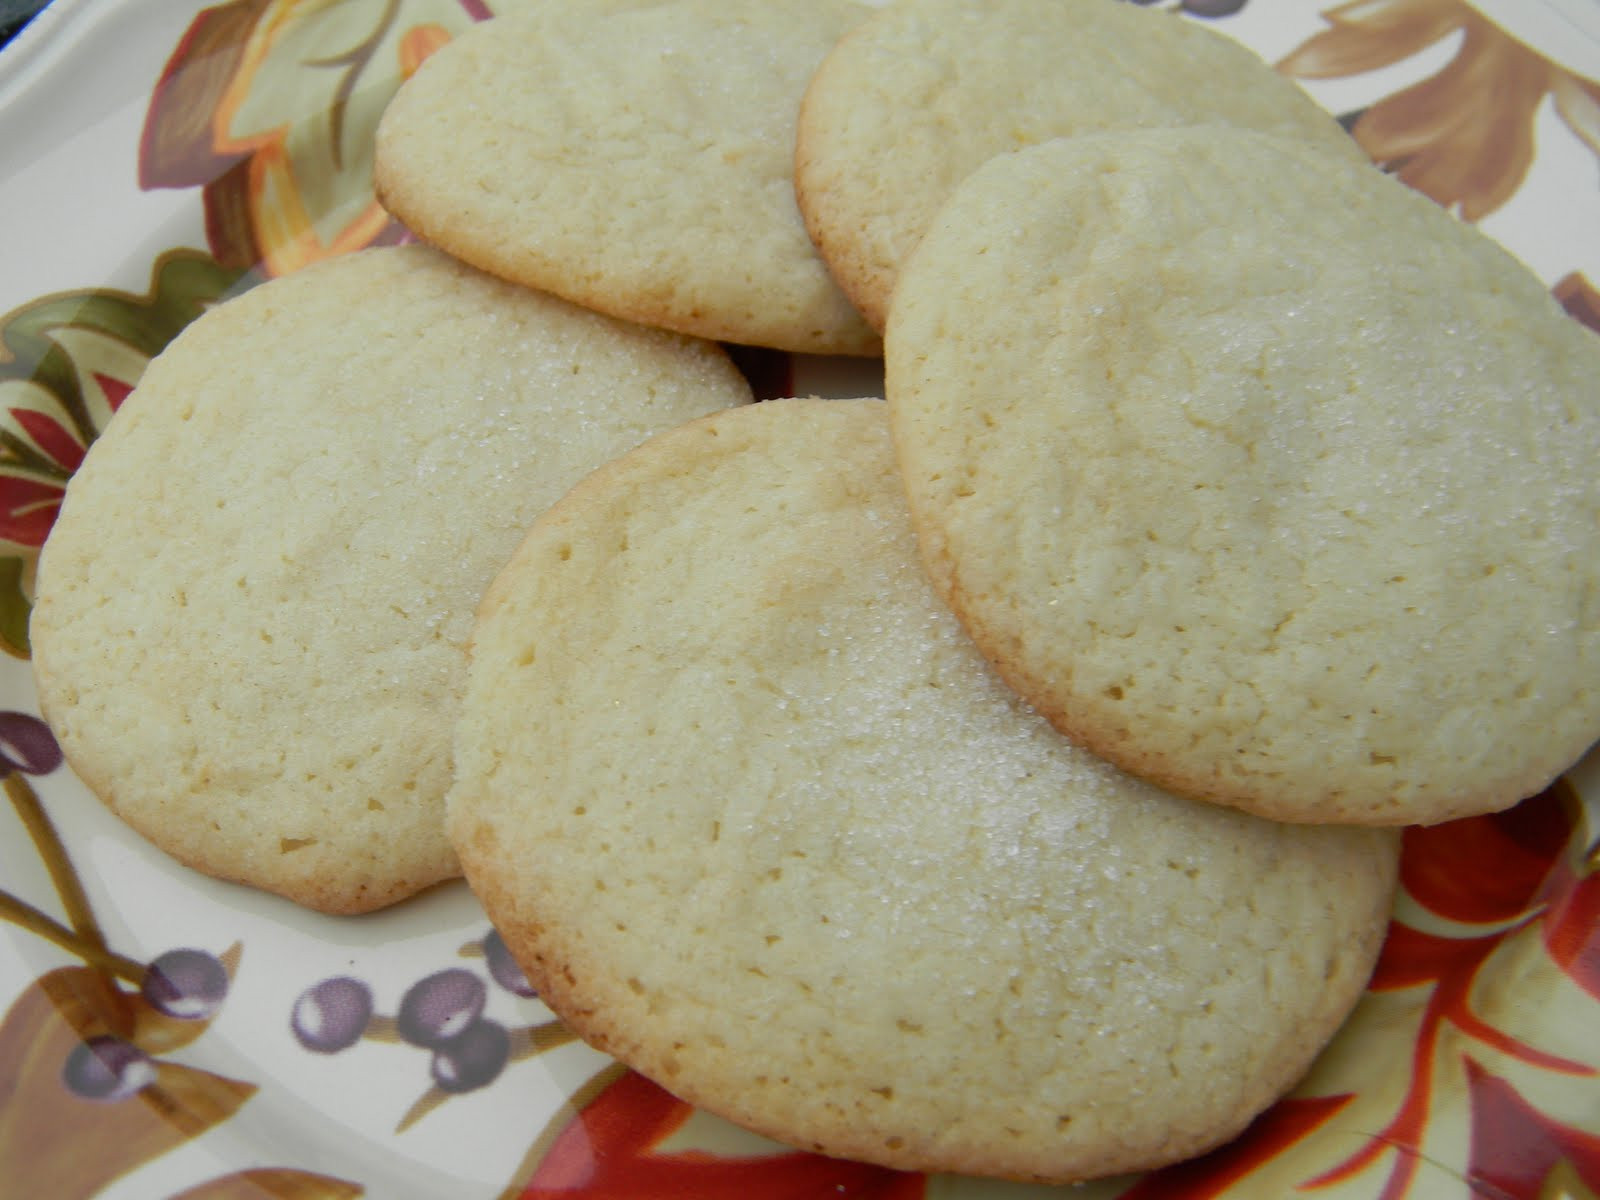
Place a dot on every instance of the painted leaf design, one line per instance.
(1516, 1149)
(610, 1153)
(1578, 102)
(1564, 1184)
(1271, 1134)
(1572, 930)
(271, 107)
(176, 148)
(275, 1183)
(1530, 865)
(1480, 897)
(45, 1127)
(1390, 1109)
(1464, 136)
(1369, 34)
(67, 362)
(1488, 870)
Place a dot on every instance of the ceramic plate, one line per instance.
(156, 156)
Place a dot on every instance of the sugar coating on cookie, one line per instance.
(757, 818)
(248, 633)
(912, 101)
(1258, 474)
(636, 158)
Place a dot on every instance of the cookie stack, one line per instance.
(1003, 778)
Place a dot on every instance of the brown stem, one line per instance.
(20, 912)
(536, 1039)
(53, 853)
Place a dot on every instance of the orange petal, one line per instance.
(286, 238)
(417, 44)
(282, 227)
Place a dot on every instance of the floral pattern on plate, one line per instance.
(1470, 1066)
(270, 107)
(1464, 135)
(86, 1045)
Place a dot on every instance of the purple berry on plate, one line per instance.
(27, 745)
(441, 1007)
(503, 968)
(187, 984)
(332, 1015)
(473, 1058)
(107, 1068)
(1212, 8)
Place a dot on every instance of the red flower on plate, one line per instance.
(90, 1091)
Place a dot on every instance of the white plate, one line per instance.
(142, 139)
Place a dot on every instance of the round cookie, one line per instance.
(914, 100)
(1258, 474)
(635, 158)
(756, 817)
(250, 616)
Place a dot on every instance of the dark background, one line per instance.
(14, 15)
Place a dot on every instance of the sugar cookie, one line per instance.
(926, 91)
(635, 158)
(250, 614)
(757, 818)
(1258, 474)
